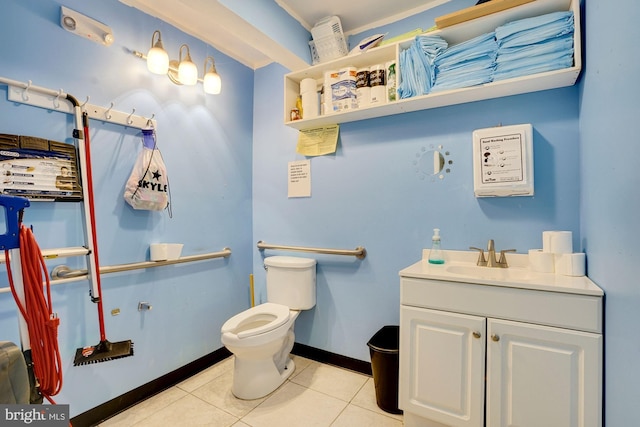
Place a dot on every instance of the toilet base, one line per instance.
(253, 379)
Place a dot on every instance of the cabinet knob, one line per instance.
(495, 337)
(476, 334)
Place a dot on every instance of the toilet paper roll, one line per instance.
(343, 91)
(571, 264)
(557, 242)
(330, 77)
(310, 105)
(308, 85)
(363, 89)
(378, 81)
(541, 262)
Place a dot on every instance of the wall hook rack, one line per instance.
(27, 93)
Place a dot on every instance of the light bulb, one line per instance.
(188, 73)
(157, 57)
(211, 82)
(187, 70)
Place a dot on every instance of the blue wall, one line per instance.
(228, 155)
(370, 194)
(206, 144)
(610, 182)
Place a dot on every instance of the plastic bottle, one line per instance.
(435, 255)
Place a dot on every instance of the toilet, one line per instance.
(262, 337)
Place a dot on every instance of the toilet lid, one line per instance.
(273, 316)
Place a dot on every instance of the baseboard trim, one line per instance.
(114, 406)
(332, 358)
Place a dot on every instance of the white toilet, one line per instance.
(261, 337)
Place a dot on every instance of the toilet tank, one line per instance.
(291, 281)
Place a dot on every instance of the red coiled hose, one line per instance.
(42, 323)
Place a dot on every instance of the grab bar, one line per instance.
(56, 253)
(358, 252)
(63, 274)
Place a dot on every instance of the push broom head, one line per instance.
(103, 352)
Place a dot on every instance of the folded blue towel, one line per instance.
(477, 47)
(466, 64)
(417, 72)
(533, 30)
(432, 46)
(534, 45)
(559, 44)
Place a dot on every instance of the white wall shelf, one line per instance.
(454, 35)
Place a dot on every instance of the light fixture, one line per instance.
(182, 71)
(157, 57)
(211, 82)
(187, 70)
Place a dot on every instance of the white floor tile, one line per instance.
(189, 411)
(336, 382)
(295, 406)
(145, 409)
(316, 395)
(355, 416)
(218, 393)
(207, 375)
(366, 398)
(301, 364)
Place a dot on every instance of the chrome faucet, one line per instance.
(491, 260)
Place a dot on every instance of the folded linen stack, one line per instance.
(417, 72)
(534, 45)
(466, 64)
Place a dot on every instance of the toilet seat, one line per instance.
(269, 315)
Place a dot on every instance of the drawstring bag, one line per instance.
(148, 185)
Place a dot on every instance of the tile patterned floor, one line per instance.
(316, 395)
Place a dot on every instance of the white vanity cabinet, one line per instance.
(498, 354)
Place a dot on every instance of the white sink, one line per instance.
(491, 273)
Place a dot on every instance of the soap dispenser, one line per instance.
(435, 255)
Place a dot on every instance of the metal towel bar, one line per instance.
(358, 252)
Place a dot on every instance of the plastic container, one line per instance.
(328, 39)
(435, 254)
(165, 251)
(384, 349)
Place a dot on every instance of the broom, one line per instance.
(104, 350)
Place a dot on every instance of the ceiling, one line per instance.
(355, 15)
(213, 23)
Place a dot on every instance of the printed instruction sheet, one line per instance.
(318, 141)
(300, 178)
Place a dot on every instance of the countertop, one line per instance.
(517, 275)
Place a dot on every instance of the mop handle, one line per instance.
(78, 134)
(92, 217)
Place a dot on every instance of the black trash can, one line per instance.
(384, 347)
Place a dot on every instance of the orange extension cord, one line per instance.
(42, 323)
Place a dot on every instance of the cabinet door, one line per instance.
(442, 366)
(542, 376)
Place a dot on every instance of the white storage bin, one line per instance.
(165, 251)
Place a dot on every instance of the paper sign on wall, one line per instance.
(503, 161)
(318, 141)
(300, 178)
